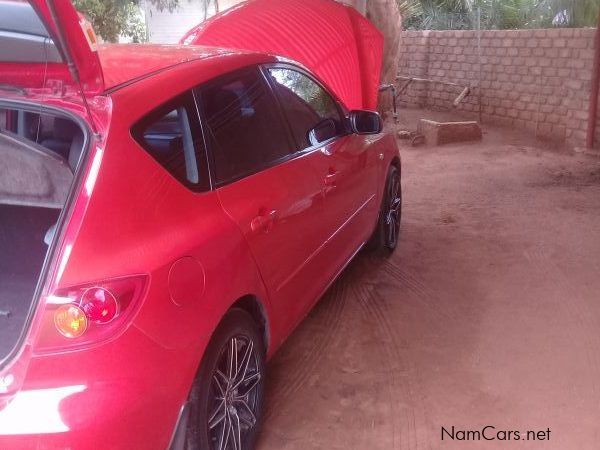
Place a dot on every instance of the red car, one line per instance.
(169, 214)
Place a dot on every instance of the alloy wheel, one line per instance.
(394, 206)
(234, 398)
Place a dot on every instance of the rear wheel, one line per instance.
(387, 231)
(226, 400)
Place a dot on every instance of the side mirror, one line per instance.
(322, 132)
(365, 122)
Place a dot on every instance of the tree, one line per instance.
(501, 14)
(438, 15)
(112, 18)
(564, 13)
(386, 16)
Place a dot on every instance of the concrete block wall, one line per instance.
(538, 80)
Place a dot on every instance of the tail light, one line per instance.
(70, 321)
(86, 315)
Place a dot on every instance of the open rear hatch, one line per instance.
(47, 47)
(40, 146)
(333, 40)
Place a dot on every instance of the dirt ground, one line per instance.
(487, 314)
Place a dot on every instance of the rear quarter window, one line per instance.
(171, 135)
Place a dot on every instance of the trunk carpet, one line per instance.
(22, 253)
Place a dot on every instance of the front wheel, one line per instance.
(387, 230)
(226, 399)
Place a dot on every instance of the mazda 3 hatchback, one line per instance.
(169, 214)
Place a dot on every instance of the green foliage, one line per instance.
(112, 18)
(569, 13)
(505, 14)
(439, 15)
(498, 14)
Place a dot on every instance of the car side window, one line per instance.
(307, 106)
(172, 136)
(242, 124)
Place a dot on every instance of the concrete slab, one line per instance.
(440, 133)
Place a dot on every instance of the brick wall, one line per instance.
(538, 80)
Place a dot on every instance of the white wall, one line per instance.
(224, 4)
(167, 28)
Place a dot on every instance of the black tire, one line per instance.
(237, 334)
(387, 230)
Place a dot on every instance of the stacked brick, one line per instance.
(537, 80)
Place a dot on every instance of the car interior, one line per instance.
(169, 140)
(38, 155)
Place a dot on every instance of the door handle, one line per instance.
(331, 178)
(264, 221)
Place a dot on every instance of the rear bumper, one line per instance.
(74, 417)
(114, 400)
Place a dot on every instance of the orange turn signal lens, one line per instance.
(70, 321)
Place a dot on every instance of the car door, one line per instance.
(272, 193)
(345, 166)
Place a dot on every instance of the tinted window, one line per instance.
(172, 137)
(243, 125)
(306, 104)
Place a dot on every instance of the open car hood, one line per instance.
(333, 40)
(47, 44)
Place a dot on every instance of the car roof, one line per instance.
(123, 64)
